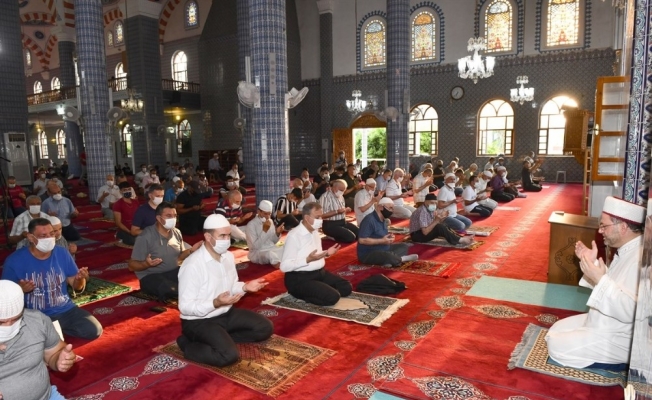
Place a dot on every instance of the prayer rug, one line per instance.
(124, 246)
(508, 208)
(441, 242)
(242, 244)
(380, 308)
(85, 242)
(270, 367)
(97, 289)
(101, 219)
(422, 267)
(532, 354)
(146, 296)
(399, 230)
(481, 230)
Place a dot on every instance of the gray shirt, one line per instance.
(150, 241)
(23, 374)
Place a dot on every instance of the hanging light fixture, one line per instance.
(356, 105)
(132, 103)
(474, 67)
(522, 94)
(621, 4)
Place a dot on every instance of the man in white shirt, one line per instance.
(471, 198)
(482, 186)
(138, 178)
(446, 200)
(262, 237)
(208, 288)
(365, 200)
(394, 191)
(604, 334)
(214, 168)
(303, 263)
(334, 214)
(107, 195)
(151, 179)
(489, 166)
(40, 185)
(421, 186)
(19, 229)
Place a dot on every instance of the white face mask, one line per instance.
(317, 224)
(170, 223)
(399, 179)
(339, 193)
(263, 219)
(305, 179)
(371, 191)
(42, 176)
(9, 332)
(144, 169)
(451, 185)
(157, 200)
(57, 196)
(109, 183)
(12, 185)
(45, 245)
(34, 209)
(221, 246)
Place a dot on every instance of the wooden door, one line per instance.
(343, 140)
(611, 117)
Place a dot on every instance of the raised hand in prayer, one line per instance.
(226, 299)
(255, 285)
(332, 250)
(593, 271)
(581, 249)
(72, 248)
(66, 359)
(388, 239)
(279, 228)
(152, 262)
(314, 256)
(267, 224)
(26, 285)
(83, 273)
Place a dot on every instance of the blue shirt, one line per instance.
(50, 296)
(145, 216)
(62, 207)
(170, 195)
(371, 227)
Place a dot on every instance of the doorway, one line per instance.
(370, 144)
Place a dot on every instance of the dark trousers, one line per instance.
(191, 224)
(482, 211)
(341, 231)
(318, 287)
(387, 257)
(212, 340)
(532, 188)
(70, 233)
(440, 230)
(126, 238)
(502, 197)
(164, 285)
(290, 221)
(511, 190)
(79, 323)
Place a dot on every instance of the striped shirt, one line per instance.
(285, 206)
(224, 208)
(331, 203)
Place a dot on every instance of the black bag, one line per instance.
(380, 284)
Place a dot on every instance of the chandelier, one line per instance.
(522, 94)
(132, 104)
(618, 3)
(473, 67)
(356, 105)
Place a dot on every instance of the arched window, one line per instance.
(126, 140)
(496, 128)
(499, 26)
(119, 33)
(184, 133)
(192, 14)
(424, 37)
(28, 58)
(109, 38)
(38, 87)
(120, 71)
(423, 132)
(61, 143)
(43, 145)
(374, 44)
(552, 125)
(180, 70)
(563, 24)
(55, 84)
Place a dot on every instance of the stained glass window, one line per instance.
(184, 133)
(28, 59)
(552, 125)
(192, 16)
(423, 130)
(374, 44)
(423, 37)
(563, 22)
(496, 128)
(119, 33)
(498, 26)
(61, 143)
(110, 38)
(180, 70)
(43, 145)
(55, 84)
(38, 87)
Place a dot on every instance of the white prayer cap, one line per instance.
(215, 221)
(370, 181)
(12, 299)
(501, 168)
(624, 210)
(449, 175)
(385, 200)
(176, 179)
(473, 165)
(54, 220)
(265, 206)
(488, 174)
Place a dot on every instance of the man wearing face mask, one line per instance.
(341, 160)
(395, 192)
(262, 237)
(146, 214)
(304, 260)
(189, 207)
(383, 179)
(421, 186)
(208, 289)
(16, 196)
(151, 179)
(204, 189)
(233, 173)
(177, 187)
(482, 187)
(107, 195)
(375, 244)
(498, 186)
(229, 185)
(334, 214)
(426, 224)
(58, 237)
(448, 201)
(365, 200)
(320, 183)
(285, 209)
(157, 254)
(45, 271)
(29, 344)
(338, 173)
(124, 211)
(471, 199)
(62, 208)
(40, 185)
(140, 175)
(19, 229)
(231, 209)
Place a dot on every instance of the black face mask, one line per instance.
(386, 213)
(127, 195)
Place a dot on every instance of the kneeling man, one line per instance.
(426, 224)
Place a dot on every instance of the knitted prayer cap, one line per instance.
(265, 206)
(215, 221)
(449, 175)
(624, 210)
(12, 299)
(501, 168)
(385, 200)
(370, 181)
(54, 220)
(488, 174)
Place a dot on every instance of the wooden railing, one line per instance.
(169, 84)
(52, 96)
(118, 84)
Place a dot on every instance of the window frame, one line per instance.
(363, 44)
(115, 36)
(127, 143)
(438, 32)
(482, 29)
(43, 145)
(61, 143)
(52, 83)
(186, 8)
(434, 135)
(38, 87)
(184, 143)
(547, 128)
(582, 40)
(179, 84)
(509, 133)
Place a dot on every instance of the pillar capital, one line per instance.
(145, 8)
(325, 6)
(64, 33)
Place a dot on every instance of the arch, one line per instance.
(35, 50)
(50, 6)
(191, 14)
(495, 128)
(38, 87)
(180, 70)
(374, 43)
(43, 145)
(49, 48)
(119, 33)
(112, 15)
(61, 143)
(423, 126)
(367, 119)
(541, 27)
(361, 24)
(120, 71)
(518, 23)
(55, 84)
(439, 28)
(552, 125)
(69, 13)
(166, 13)
(31, 17)
(184, 138)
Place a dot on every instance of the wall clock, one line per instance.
(457, 92)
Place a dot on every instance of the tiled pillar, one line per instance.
(244, 50)
(268, 51)
(144, 76)
(89, 22)
(74, 143)
(398, 80)
(326, 65)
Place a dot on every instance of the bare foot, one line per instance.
(466, 240)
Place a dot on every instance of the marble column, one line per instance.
(244, 50)
(74, 142)
(326, 66)
(89, 23)
(269, 128)
(398, 81)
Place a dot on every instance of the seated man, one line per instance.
(426, 224)
(383, 179)
(44, 271)
(107, 195)
(529, 185)
(40, 184)
(352, 185)
(489, 166)
(498, 186)
(421, 186)
(29, 345)
(233, 173)
(471, 199)
(375, 244)
(365, 200)
(16, 196)
(307, 197)
(19, 229)
(438, 174)
(262, 237)
(285, 209)
(229, 185)
(303, 263)
(320, 183)
(482, 187)
(447, 201)
(395, 192)
(604, 334)
(204, 189)
(59, 239)
(157, 254)
(208, 288)
(189, 207)
(124, 211)
(146, 214)
(61, 207)
(177, 187)
(150, 179)
(231, 209)
(214, 169)
(334, 214)
(140, 175)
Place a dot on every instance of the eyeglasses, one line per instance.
(601, 226)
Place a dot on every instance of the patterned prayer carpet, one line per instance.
(124, 246)
(97, 289)
(532, 354)
(85, 242)
(146, 296)
(425, 267)
(441, 242)
(481, 230)
(270, 367)
(399, 230)
(240, 245)
(380, 308)
(508, 208)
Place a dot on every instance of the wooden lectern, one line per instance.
(565, 231)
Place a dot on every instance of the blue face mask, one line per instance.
(432, 208)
